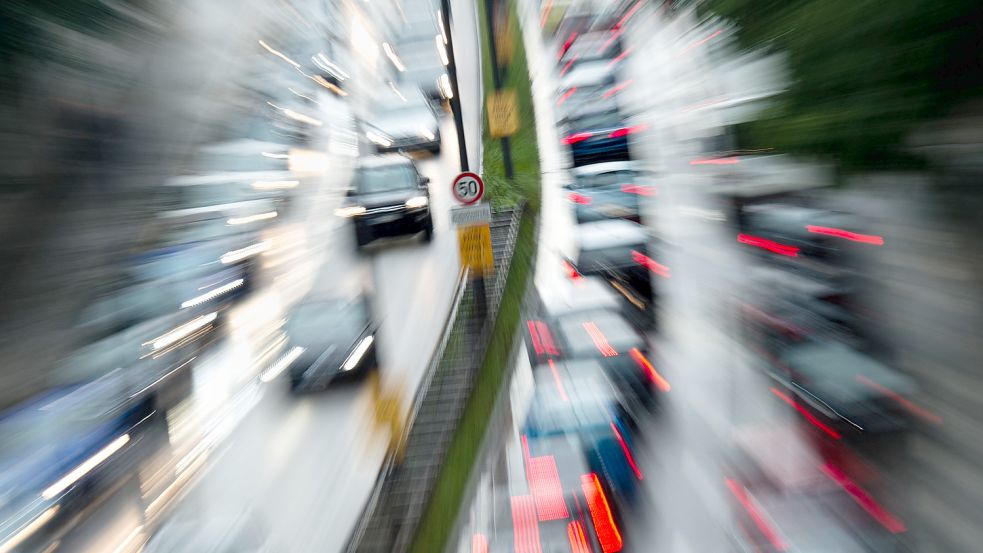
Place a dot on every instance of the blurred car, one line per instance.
(579, 460)
(793, 231)
(621, 252)
(612, 190)
(597, 134)
(330, 338)
(845, 393)
(388, 197)
(405, 123)
(64, 450)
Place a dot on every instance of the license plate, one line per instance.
(386, 218)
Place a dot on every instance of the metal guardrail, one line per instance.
(402, 491)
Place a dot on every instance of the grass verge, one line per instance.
(442, 511)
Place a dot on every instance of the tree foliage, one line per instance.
(864, 71)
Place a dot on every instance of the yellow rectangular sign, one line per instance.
(474, 243)
(503, 113)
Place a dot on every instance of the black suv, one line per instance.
(388, 197)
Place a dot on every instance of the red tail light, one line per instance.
(626, 450)
(620, 57)
(568, 65)
(661, 383)
(547, 336)
(534, 337)
(625, 131)
(578, 540)
(570, 92)
(577, 137)
(600, 512)
(524, 525)
(852, 236)
(579, 198)
(616, 89)
(566, 45)
(808, 416)
(768, 245)
(547, 493)
(639, 189)
(571, 271)
(650, 264)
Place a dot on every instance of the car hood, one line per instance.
(384, 199)
(407, 124)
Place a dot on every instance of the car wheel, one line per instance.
(428, 232)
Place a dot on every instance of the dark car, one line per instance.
(598, 134)
(611, 190)
(389, 197)
(329, 338)
(622, 252)
(604, 335)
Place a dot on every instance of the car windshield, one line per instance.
(327, 319)
(606, 179)
(587, 334)
(598, 121)
(385, 179)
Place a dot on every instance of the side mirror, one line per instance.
(424, 182)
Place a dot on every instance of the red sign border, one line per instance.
(481, 187)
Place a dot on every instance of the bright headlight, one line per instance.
(426, 133)
(349, 211)
(378, 139)
(357, 353)
(417, 201)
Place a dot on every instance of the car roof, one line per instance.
(608, 233)
(598, 168)
(586, 74)
(581, 295)
(384, 161)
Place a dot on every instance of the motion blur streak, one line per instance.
(914, 409)
(78, 472)
(617, 88)
(650, 264)
(567, 68)
(639, 189)
(852, 236)
(619, 58)
(600, 512)
(282, 364)
(579, 198)
(600, 341)
(525, 525)
(548, 344)
(808, 416)
(756, 515)
(703, 41)
(559, 383)
(212, 294)
(661, 383)
(28, 530)
(889, 521)
(182, 331)
(715, 161)
(765, 244)
(567, 95)
(627, 451)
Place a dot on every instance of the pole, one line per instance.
(497, 81)
(455, 100)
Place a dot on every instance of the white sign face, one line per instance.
(468, 188)
(471, 214)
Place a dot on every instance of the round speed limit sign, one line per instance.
(468, 188)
